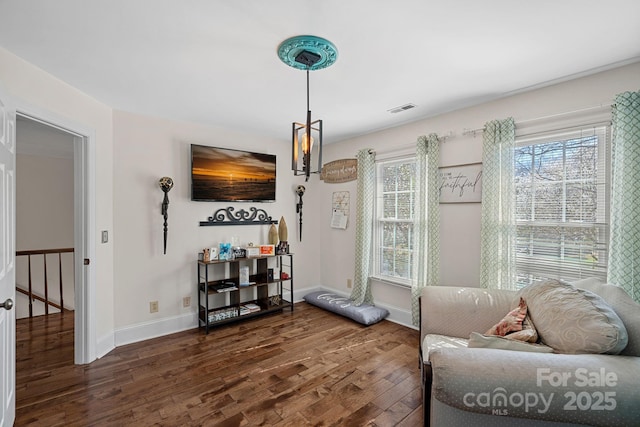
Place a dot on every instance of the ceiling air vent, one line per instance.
(402, 108)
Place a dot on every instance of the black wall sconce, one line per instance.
(166, 184)
(300, 191)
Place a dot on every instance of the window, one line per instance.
(561, 206)
(393, 235)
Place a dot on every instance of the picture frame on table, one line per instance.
(225, 253)
(267, 250)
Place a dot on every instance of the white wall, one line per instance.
(460, 223)
(36, 90)
(147, 149)
(44, 205)
(44, 220)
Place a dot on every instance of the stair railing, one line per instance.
(30, 293)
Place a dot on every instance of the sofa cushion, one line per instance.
(366, 314)
(477, 340)
(476, 310)
(434, 341)
(490, 381)
(572, 320)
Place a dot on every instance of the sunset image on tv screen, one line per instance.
(220, 174)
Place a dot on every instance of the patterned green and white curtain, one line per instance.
(624, 248)
(361, 292)
(498, 221)
(426, 246)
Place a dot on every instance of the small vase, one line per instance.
(283, 233)
(273, 235)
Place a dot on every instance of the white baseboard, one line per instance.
(105, 345)
(148, 330)
(166, 326)
(399, 316)
(298, 295)
(170, 325)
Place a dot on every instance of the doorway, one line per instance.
(73, 146)
(44, 219)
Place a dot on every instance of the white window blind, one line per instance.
(393, 237)
(562, 195)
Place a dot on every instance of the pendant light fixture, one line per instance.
(307, 53)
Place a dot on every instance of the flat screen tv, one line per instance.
(225, 175)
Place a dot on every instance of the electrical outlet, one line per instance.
(186, 301)
(348, 283)
(153, 307)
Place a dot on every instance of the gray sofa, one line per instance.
(465, 386)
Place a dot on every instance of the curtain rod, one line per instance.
(551, 116)
(403, 147)
(474, 132)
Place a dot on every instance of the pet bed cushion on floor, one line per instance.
(366, 314)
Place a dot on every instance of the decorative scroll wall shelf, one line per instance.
(227, 216)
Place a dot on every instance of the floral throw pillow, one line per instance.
(527, 334)
(510, 323)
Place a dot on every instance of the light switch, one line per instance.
(105, 236)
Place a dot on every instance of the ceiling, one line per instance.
(215, 61)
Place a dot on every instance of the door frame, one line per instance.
(83, 225)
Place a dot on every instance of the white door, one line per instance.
(7, 262)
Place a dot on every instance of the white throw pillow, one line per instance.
(573, 320)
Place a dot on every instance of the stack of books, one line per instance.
(222, 314)
(225, 287)
(250, 307)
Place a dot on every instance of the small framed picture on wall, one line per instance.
(461, 183)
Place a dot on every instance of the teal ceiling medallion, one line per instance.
(307, 52)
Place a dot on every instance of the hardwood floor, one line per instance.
(306, 368)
